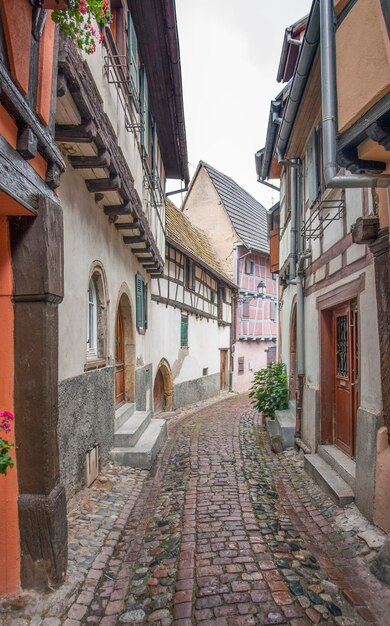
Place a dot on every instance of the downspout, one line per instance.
(294, 216)
(300, 342)
(329, 108)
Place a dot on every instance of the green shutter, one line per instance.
(145, 111)
(145, 304)
(184, 331)
(139, 301)
(132, 53)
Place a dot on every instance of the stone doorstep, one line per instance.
(132, 429)
(328, 479)
(123, 413)
(342, 464)
(146, 449)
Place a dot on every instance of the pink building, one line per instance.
(236, 224)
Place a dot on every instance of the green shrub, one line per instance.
(269, 392)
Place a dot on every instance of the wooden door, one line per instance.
(345, 342)
(224, 369)
(119, 359)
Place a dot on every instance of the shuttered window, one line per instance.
(272, 311)
(141, 302)
(249, 266)
(241, 363)
(132, 56)
(145, 112)
(245, 310)
(184, 331)
(154, 153)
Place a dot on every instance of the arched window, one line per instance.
(92, 321)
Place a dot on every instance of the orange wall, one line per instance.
(363, 58)
(9, 536)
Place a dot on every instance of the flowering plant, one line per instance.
(77, 22)
(6, 460)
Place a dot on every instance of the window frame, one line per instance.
(141, 303)
(245, 312)
(92, 321)
(184, 330)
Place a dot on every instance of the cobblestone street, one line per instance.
(221, 532)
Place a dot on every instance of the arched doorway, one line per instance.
(124, 353)
(293, 353)
(163, 388)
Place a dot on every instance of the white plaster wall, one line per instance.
(285, 320)
(89, 237)
(205, 338)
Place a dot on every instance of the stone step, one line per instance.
(123, 413)
(342, 464)
(328, 479)
(130, 432)
(146, 449)
(285, 422)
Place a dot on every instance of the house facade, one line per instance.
(237, 227)
(327, 142)
(191, 317)
(76, 367)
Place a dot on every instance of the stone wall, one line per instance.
(195, 390)
(86, 417)
(143, 387)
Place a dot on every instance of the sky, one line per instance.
(230, 51)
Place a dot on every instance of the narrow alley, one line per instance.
(222, 531)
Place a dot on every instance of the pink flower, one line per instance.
(7, 414)
(5, 423)
(92, 48)
(82, 7)
(101, 37)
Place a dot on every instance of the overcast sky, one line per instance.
(230, 52)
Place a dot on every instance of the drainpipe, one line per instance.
(329, 108)
(294, 216)
(300, 341)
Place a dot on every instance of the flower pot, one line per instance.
(59, 5)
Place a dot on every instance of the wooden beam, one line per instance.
(103, 159)
(149, 265)
(118, 209)
(95, 185)
(127, 225)
(155, 272)
(135, 239)
(70, 133)
(146, 248)
(27, 143)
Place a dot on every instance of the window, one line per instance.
(249, 266)
(141, 303)
(205, 371)
(212, 296)
(245, 310)
(132, 56)
(241, 363)
(272, 310)
(92, 329)
(190, 274)
(184, 331)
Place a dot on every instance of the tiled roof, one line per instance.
(195, 241)
(248, 217)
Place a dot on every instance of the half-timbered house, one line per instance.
(191, 316)
(122, 135)
(237, 227)
(33, 540)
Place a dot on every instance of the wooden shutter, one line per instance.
(241, 363)
(145, 306)
(139, 301)
(132, 54)
(245, 309)
(274, 250)
(154, 152)
(312, 168)
(145, 111)
(184, 331)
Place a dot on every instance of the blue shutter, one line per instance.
(139, 300)
(145, 111)
(132, 54)
(184, 331)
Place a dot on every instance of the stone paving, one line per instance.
(221, 532)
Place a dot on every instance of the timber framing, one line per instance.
(96, 129)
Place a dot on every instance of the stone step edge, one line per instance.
(328, 479)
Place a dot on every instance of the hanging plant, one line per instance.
(6, 461)
(78, 22)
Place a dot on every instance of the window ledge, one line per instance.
(94, 364)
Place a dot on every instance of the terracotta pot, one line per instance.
(59, 5)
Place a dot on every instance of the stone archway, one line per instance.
(124, 307)
(163, 388)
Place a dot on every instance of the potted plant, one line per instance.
(6, 461)
(269, 392)
(83, 20)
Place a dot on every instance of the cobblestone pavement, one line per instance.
(222, 532)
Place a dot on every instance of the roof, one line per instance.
(290, 51)
(156, 27)
(190, 239)
(247, 215)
